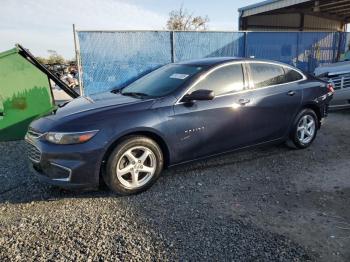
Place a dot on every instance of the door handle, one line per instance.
(243, 101)
(291, 93)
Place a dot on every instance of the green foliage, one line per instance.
(72, 61)
(42, 60)
(53, 58)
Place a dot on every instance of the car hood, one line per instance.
(333, 69)
(95, 102)
(85, 105)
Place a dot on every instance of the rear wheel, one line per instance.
(134, 165)
(304, 129)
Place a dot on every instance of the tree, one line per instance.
(54, 58)
(72, 61)
(182, 20)
(42, 60)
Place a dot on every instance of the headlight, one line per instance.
(69, 138)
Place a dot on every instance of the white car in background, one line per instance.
(339, 75)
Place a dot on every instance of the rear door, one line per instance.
(273, 99)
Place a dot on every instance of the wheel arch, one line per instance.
(316, 109)
(147, 133)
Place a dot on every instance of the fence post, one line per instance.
(341, 40)
(245, 52)
(77, 57)
(297, 53)
(172, 39)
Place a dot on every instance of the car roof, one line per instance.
(211, 61)
(214, 61)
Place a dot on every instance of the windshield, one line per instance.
(162, 81)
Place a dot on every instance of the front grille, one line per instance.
(340, 82)
(33, 152)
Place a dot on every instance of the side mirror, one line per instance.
(199, 95)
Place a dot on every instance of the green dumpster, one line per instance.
(25, 94)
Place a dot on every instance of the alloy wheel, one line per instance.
(306, 129)
(136, 167)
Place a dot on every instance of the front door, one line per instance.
(209, 127)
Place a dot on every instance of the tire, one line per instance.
(310, 130)
(129, 169)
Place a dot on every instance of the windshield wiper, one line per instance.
(134, 94)
(116, 91)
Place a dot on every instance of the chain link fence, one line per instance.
(112, 59)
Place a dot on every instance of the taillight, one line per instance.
(330, 88)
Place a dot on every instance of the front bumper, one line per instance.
(42, 177)
(68, 166)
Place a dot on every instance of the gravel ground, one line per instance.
(268, 204)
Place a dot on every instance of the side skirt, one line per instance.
(271, 142)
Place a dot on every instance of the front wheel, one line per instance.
(304, 129)
(133, 166)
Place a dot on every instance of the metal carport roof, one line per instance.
(267, 6)
(336, 9)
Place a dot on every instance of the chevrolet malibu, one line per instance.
(178, 113)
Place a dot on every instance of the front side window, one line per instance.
(162, 81)
(224, 80)
(266, 74)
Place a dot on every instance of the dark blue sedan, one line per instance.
(178, 113)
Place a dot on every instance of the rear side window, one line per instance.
(224, 80)
(292, 75)
(266, 74)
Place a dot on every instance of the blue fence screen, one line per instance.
(113, 59)
(194, 45)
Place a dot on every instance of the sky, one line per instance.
(42, 25)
